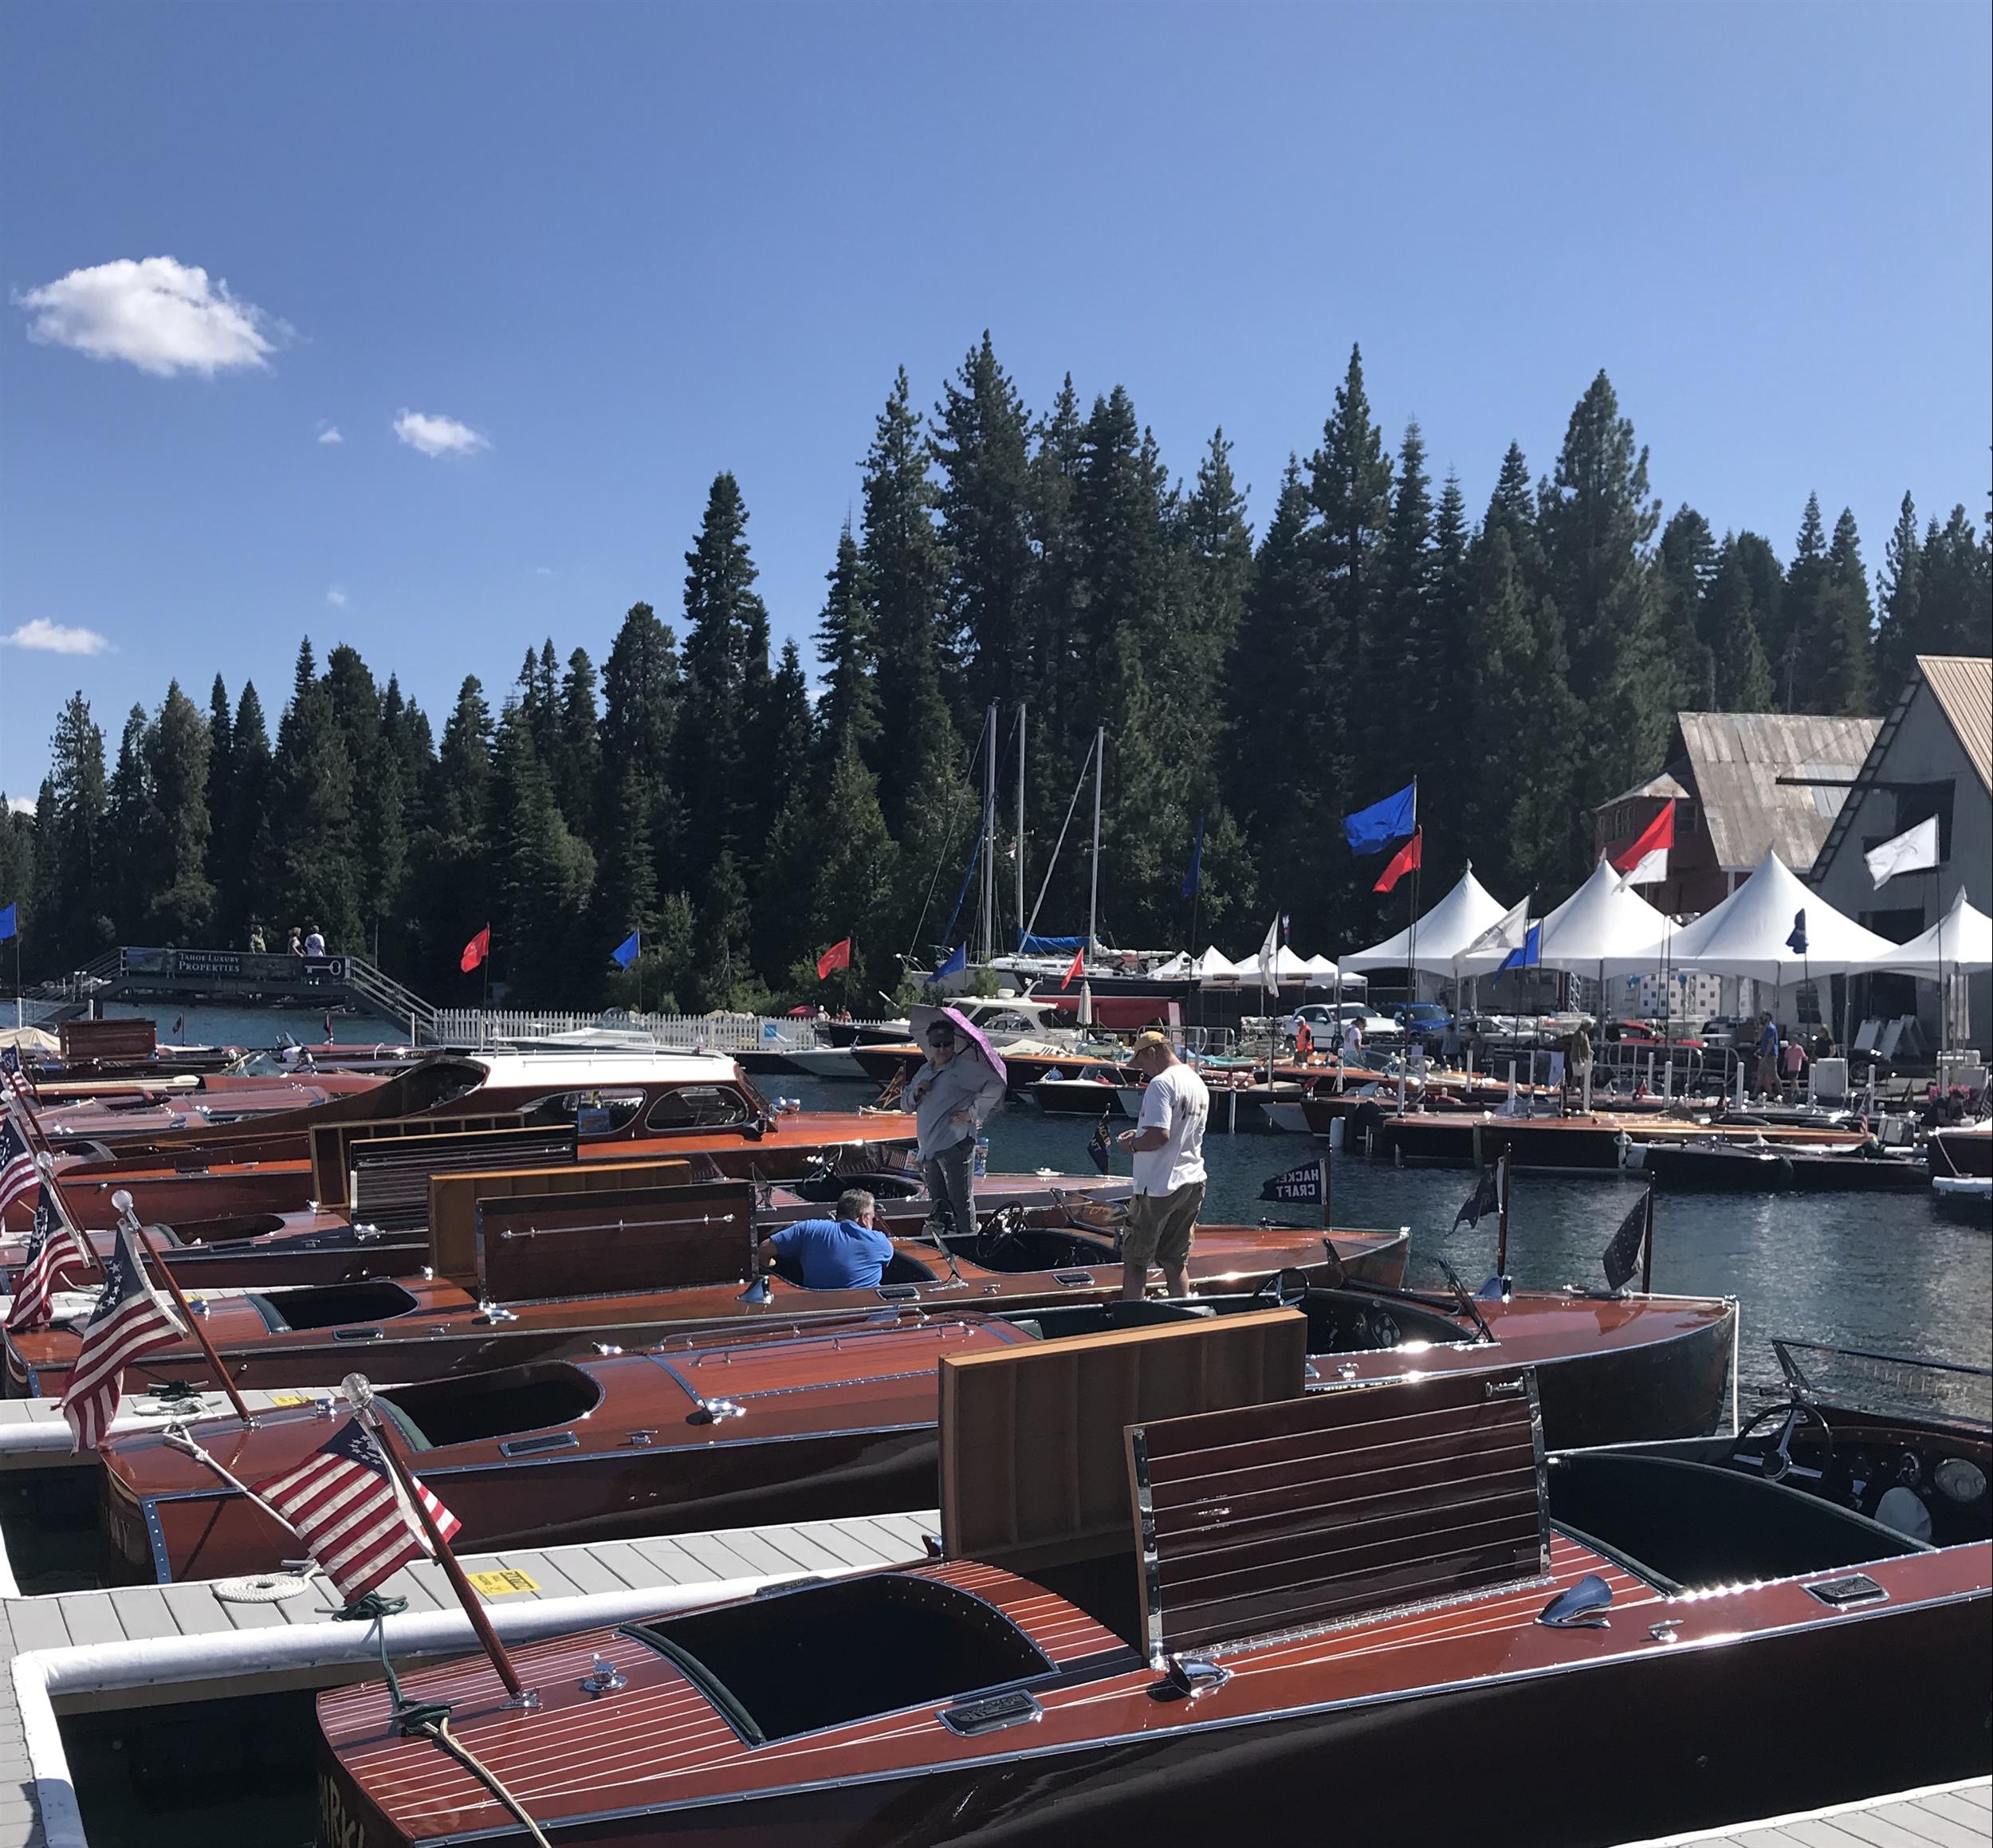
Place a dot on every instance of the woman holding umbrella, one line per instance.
(958, 1084)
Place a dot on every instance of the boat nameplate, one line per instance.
(1847, 1591)
(973, 1718)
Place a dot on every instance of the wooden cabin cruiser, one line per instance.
(557, 1274)
(1708, 1164)
(1214, 1596)
(699, 1106)
(812, 1422)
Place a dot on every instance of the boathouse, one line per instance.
(1933, 756)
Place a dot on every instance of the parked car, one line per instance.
(1325, 1019)
(1423, 1021)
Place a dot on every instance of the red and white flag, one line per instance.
(52, 1243)
(1643, 860)
(347, 1508)
(129, 1322)
(1077, 970)
(17, 1169)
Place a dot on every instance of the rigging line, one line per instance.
(941, 859)
(1067, 823)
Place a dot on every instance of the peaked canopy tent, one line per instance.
(1605, 927)
(1214, 965)
(1959, 943)
(1443, 933)
(1321, 973)
(1749, 933)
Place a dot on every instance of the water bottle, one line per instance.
(982, 1157)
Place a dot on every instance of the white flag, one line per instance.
(1507, 932)
(1910, 851)
(1270, 957)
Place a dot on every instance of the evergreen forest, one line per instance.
(743, 809)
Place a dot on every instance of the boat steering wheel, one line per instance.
(1773, 1456)
(999, 1234)
(1285, 1289)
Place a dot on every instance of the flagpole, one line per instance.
(362, 1403)
(196, 1324)
(1501, 1214)
(1647, 1242)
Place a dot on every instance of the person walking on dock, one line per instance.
(1767, 1056)
(314, 942)
(957, 1086)
(297, 944)
(256, 939)
(1168, 1146)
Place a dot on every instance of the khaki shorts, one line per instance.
(1160, 1226)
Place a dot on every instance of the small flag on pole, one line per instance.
(1507, 932)
(476, 950)
(1098, 1147)
(838, 956)
(17, 1171)
(1529, 953)
(348, 1510)
(1797, 941)
(628, 950)
(1913, 850)
(1402, 863)
(1643, 860)
(1485, 1198)
(8, 926)
(1621, 1257)
(17, 1080)
(956, 960)
(1196, 869)
(1077, 970)
(1371, 830)
(127, 1323)
(53, 1242)
(1307, 1185)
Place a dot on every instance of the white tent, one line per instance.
(1604, 923)
(1214, 966)
(1175, 969)
(1321, 973)
(1443, 932)
(1746, 934)
(1288, 967)
(1959, 943)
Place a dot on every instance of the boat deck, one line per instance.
(1958, 1815)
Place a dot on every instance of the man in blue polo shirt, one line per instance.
(843, 1253)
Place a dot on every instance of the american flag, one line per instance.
(18, 1172)
(348, 1510)
(18, 1082)
(129, 1322)
(53, 1242)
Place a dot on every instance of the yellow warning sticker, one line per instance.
(493, 1584)
(291, 1399)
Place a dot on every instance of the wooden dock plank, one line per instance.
(144, 1611)
(91, 1617)
(1955, 1816)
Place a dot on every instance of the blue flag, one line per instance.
(1797, 941)
(1305, 1186)
(1371, 830)
(1197, 863)
(954, 962)
(1098, 1146)
(1531, 953)
(7, 926)
(628, 950)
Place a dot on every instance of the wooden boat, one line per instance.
(1161, 1623)
(1710, 1165)
(1594, 1144)
(1089, 1093)
(697, 1105)
(555, 1275)
(809, 1423)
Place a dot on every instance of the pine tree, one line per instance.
(548, 875)
(131, 834)
(1595, 520)
(72, 858)
(783, 733)
(1447, 729)
(245, 841)
(722, 976)
(627, 884)
(1841, 646)
(848, 649)
(17, 875)
(1954, 613)
(1730, 633)
(576, 758)
(1798, 609)
(1398, 714)
(228, 924)
(317, 840)
(177, 751)
(455, 877)
(1687, 565)
(982, 445)
(1897, 634)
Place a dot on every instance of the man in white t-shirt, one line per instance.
(1168, 1146)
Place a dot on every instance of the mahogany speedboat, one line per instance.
(689, 1104)
(556, 1274)
(1706, 1165)
(815, 1422)
(1175, 1612)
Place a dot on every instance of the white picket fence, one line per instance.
(672, 1033)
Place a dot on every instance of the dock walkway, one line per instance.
(1957, 1816)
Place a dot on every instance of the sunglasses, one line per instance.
(941, 1039)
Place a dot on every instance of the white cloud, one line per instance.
(51, 638)
(162, 316)
(20, 805)
(543, 571)
(329, 433)
(438, 435)
(336, 597)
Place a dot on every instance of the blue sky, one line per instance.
(603, 251)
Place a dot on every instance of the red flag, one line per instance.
(1402, 862)
(1078, 969)
(838, 956)
(476, 950)
(1643, 859)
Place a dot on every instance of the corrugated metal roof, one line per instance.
(1962, 686)
(1737, 758)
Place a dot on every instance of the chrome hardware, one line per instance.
(712, 1411)
(641, 1440)
(199, 1305)
(759, 1290)
(1581, 1606)
(933, 1544)
(603, 1678)
(1505, 1389)
(489, 1315)
(1189, 1678)
(1664, 1632)
(607, 1349)
(322, 1408)
(1346, 1369)
(1847, 1591)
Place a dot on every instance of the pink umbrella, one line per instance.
(923, 1014)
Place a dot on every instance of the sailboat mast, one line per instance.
(989, 834)
(1093, 901)
(1022, 708)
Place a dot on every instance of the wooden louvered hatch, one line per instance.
(593, 1244)
(1275, 1517)
(453, 1199)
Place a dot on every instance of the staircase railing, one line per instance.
(383, 993)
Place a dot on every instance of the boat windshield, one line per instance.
(826, 1654)
(1942, 1389)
